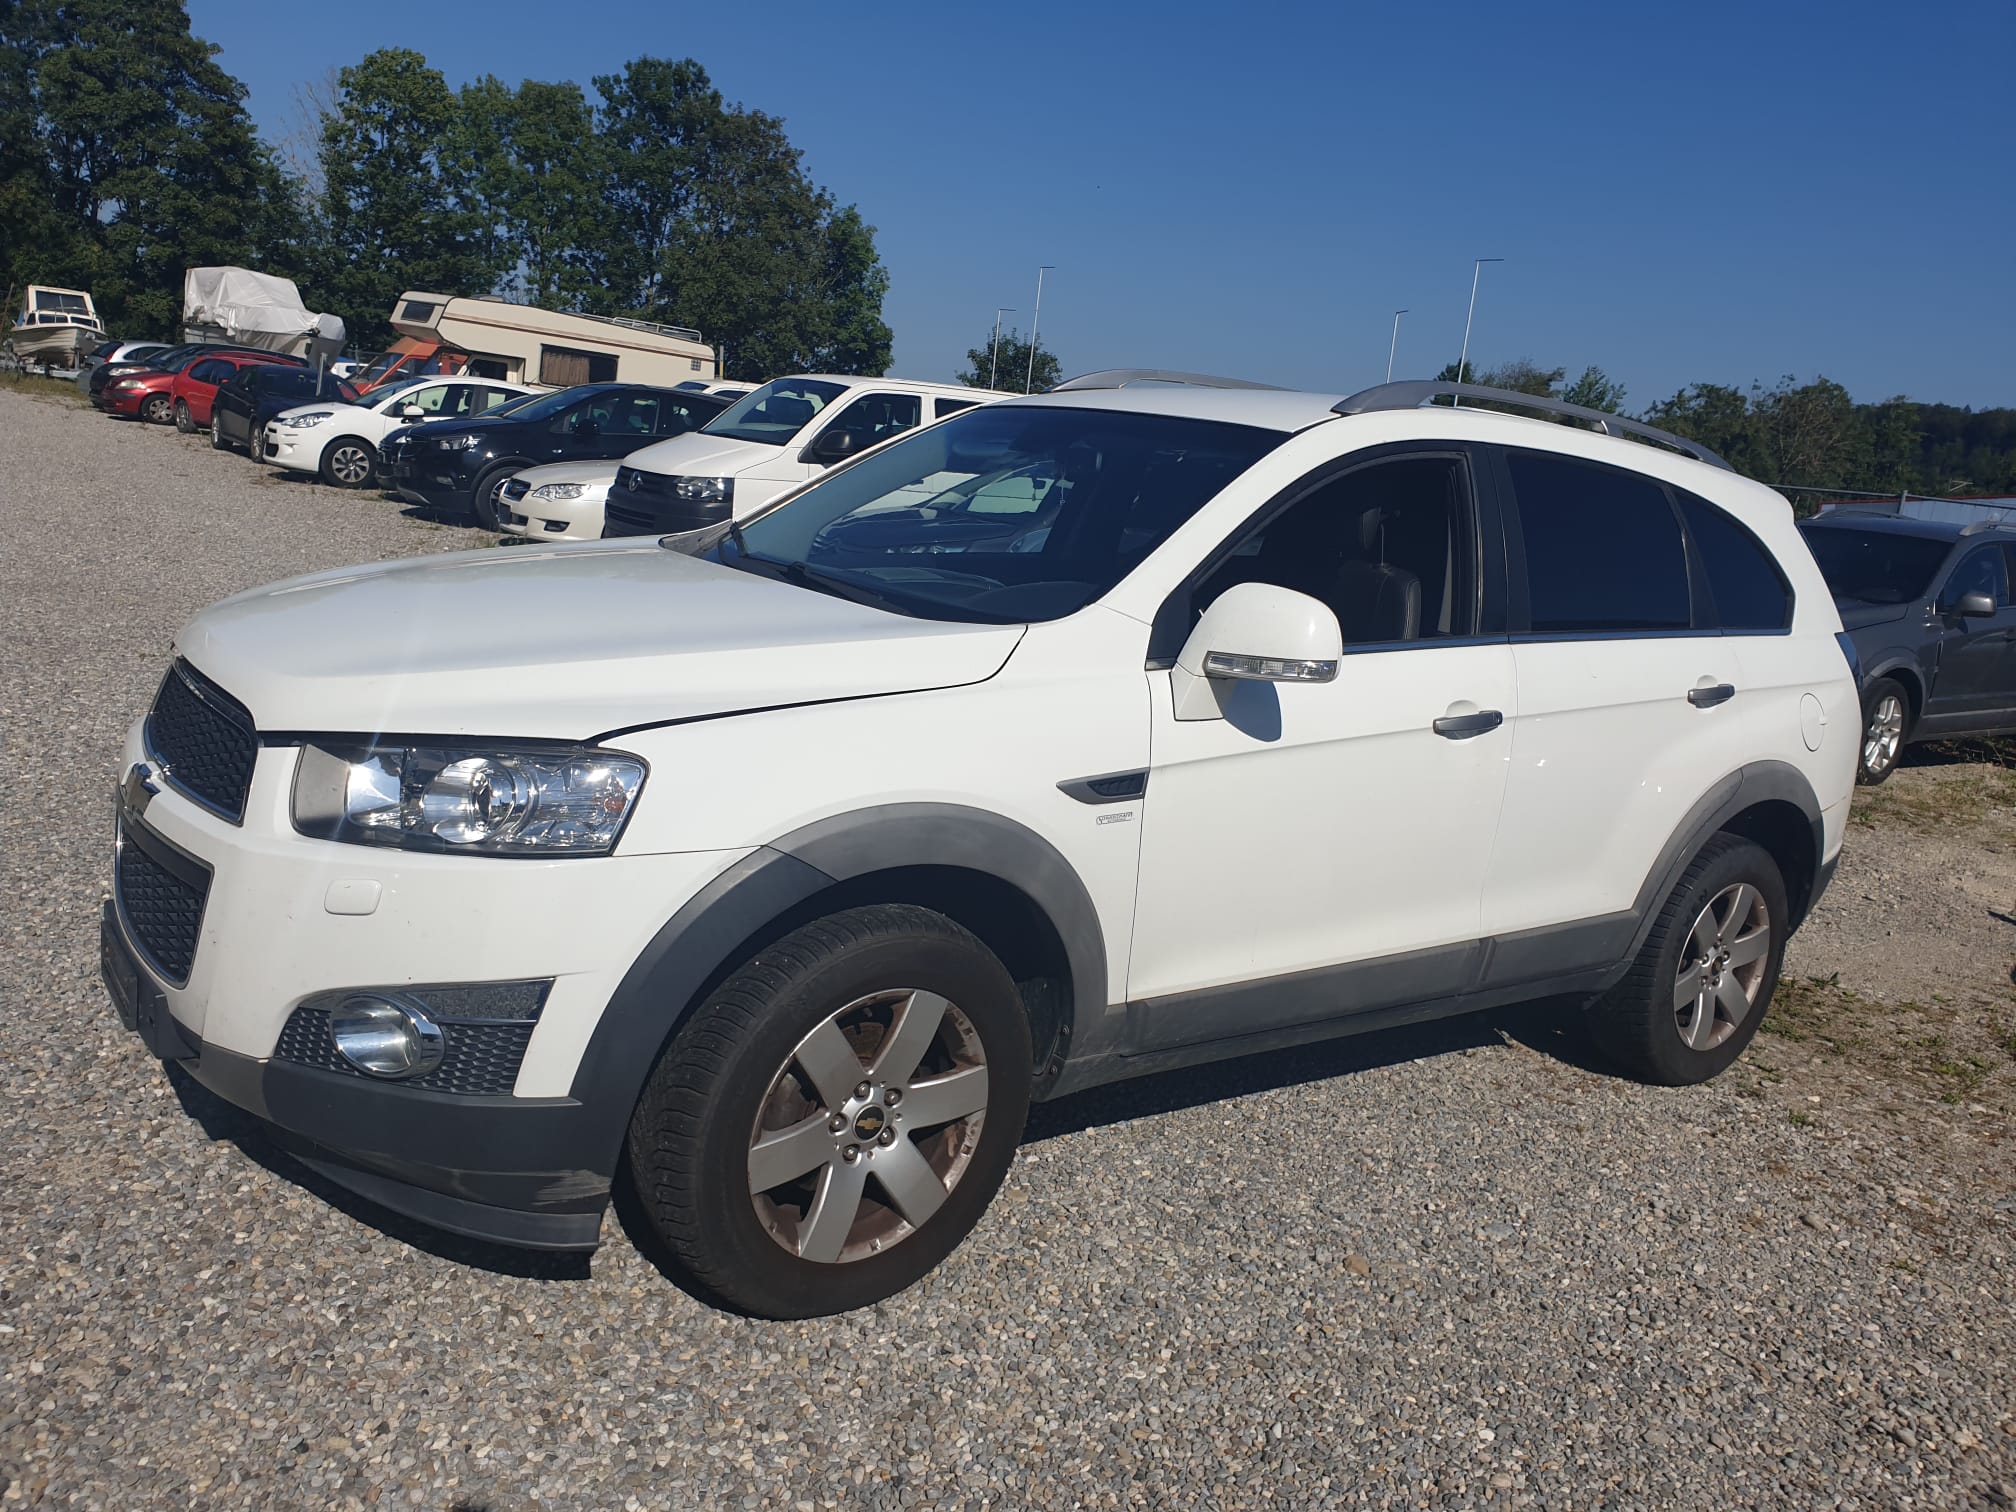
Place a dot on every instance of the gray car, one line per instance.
(1929, 608)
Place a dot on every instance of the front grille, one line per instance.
(479, 1059)
(204, 739)
(161, 898)
(643, 503)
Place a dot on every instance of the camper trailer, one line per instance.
(492, 338)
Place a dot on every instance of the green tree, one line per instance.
(709, 221)
(1596, 390)
(398, 207)
(126, 156)
(537, 180)
(1009, 372)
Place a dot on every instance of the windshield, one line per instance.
(386, 393)
(1875, 566)
(776, 412)
(1002, 514)
(542, 406)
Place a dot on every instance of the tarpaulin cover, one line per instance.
(255, 308)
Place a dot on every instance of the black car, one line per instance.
(242, 407)
(1929, 607)
(170, 360)
(457, 466)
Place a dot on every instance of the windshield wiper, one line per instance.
(808, 576)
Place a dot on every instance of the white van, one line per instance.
(771, 440)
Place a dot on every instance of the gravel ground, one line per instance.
(1448, 1267)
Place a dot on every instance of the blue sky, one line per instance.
(1707, 193)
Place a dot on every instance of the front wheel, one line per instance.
(1886, 719)
(1701, 983)
(835, 1119)
(157, 409)
(348, 462)
(484, 503)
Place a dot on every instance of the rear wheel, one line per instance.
(349, 462)
(1886, 720)
(184, 421)
(1701, 983)
(835, 1119)
(157, 409)
(217, 433)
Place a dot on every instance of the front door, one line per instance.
(1975, 655)
(1335, 825)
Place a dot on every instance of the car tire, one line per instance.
(1721, 933)
(349, 462)
(157, 409)
(787, 1043)
(217, 440)
(1886, 725)
(483, 498)
(184, 421)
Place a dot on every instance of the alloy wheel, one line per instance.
(350, 466)
(1881, 741)
(1722, 967)
(868, 1126)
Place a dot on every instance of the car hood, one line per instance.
(1856, 614)
(562, 642)
(337, 409)
(697, 454)
(592, 473)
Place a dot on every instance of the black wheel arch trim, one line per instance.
(703, 939)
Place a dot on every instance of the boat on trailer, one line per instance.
(55, 328)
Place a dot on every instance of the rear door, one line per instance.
(198, 385)
(1631, 707)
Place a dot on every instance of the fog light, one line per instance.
(381, 1037)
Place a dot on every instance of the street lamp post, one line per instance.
(1463, 361)
(1035, 324)
(1394, 346)
(994, 362)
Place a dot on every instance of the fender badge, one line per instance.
(1125, 816)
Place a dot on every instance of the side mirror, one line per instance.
(1254, 632)
(1976, 605)
(412, 412)
(837, 445)
(586, 426)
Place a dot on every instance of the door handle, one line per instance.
(1707, 698)
(1463, 726)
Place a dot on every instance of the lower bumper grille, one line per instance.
(161, 898)
(480, 1059)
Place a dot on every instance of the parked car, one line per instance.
(262, 391)
(768, 441)
(182, 397)
(168, 360)
(781, 886)
(129, 352)
(561, 501)
(1930, 608)
(456, 467)
(342, 441)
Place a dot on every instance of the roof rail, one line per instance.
(1414, 394)
(1122, 377)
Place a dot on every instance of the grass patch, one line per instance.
(1801, 1119)
(1956, 1054)
(1973, 791)
(61, 390)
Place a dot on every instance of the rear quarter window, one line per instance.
(1604, 551)
(1750, 592)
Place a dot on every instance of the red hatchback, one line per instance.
(183, 397)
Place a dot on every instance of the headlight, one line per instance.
(559, 491)
(457, 443)
(704, 490)
(493, 801)
(129, 383)
(314, 417)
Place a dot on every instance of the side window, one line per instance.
(881, 415)
(211, 370)
(675, 418)
(430, 397)
(952, 406)
(1390, 547)
(1604, 553)
(633, 415)
(1982, 570)
(490, 398)
(1750, 592)
(455, 400)
(563, 367)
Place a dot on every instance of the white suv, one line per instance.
(793, 858)
(767, 443)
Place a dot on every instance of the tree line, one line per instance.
(127, 155)
(1807, 438)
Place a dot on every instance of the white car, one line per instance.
(769, 441)
(561, 501)
(1249, 718)
(342, 441)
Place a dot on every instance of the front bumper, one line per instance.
(285, 917)
(127, 403)
(543, 520)
(433, 481)
(291, 446)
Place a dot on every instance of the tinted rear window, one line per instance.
(1876, 566)
(1750, 592)
(1604, 553)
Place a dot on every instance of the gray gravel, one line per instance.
(1445, 1268)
